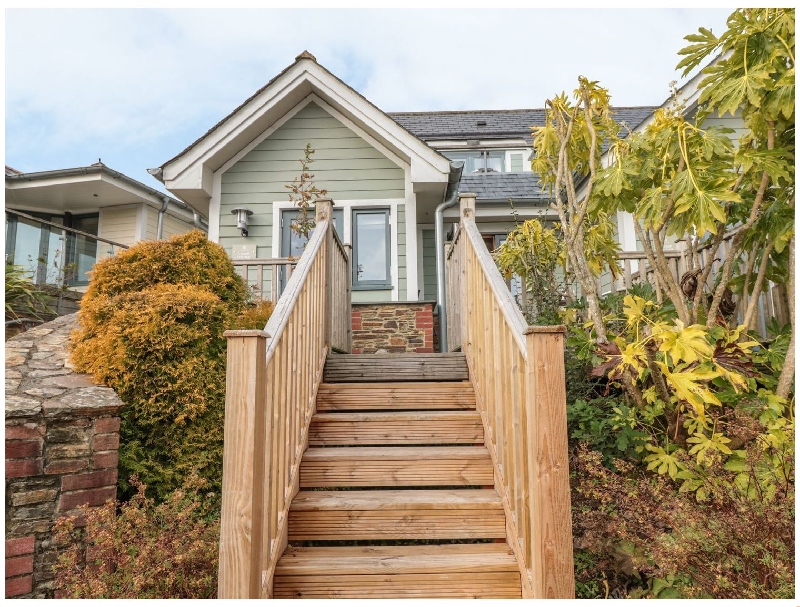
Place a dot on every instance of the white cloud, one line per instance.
(113, 80)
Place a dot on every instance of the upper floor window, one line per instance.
(489, 161)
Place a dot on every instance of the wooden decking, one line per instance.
(396, 462)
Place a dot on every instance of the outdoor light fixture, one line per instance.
(241, 218)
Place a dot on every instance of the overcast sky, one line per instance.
(135, 87)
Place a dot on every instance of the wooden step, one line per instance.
(384, 515)
(396, 467)
(454, 570)
(395, 396)
(396, 428)
(395, 367)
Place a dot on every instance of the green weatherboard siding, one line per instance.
(346, 165)
(429, 263)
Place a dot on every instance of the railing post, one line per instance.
(349, 307)
(324, 212)
(243, 467)
(467, 204)
(550, 562)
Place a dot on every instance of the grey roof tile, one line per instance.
(502, 186)
(500, 124)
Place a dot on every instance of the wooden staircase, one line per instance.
(397, 493)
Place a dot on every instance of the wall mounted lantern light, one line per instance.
(241, 218)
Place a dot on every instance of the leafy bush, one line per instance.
(23, 297)
(533, 252)
(143, 550)
(640, 534)
(697, 394)
(163, 352)
(604, 424)
(152, 324)
(255, 316)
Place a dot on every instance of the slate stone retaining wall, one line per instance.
(62, 436)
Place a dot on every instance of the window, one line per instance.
(292, 244)
(50, 255)
(371, 249)
(489, 161)
(493, 241)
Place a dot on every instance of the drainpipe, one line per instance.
(164, 205)
(450, 199)
(197, 219)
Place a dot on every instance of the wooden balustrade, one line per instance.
(272, 379)
(453, 292)
(518, 375)
(772, 303)
(266, 276)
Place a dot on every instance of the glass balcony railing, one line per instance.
(54, 254)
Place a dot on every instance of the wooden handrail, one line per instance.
(518, 375)
(272, 380)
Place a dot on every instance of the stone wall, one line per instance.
(62, 435)
(393, 327)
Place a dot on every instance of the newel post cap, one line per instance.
(323, 209)
(467, 203)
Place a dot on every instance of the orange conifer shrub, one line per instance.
(151, 327)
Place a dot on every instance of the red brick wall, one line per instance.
(52, 467)
(19, 566)
(392, 327)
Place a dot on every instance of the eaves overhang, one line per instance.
(83, 187)
(190, 173)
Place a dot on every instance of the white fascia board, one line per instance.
(444, 144)
(234, 125)
(426, 164)
(146, 196)
(137, 194)
(18, 184)
(194, 170)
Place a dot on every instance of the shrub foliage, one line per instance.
(188, 259)
(152, 324)
(144, 550)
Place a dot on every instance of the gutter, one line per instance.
(450, 199)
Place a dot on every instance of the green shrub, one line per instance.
(140, 550)
(605, 425)
(638, 533)
(160, 345)
(23, 298)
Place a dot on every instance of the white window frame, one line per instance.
(348, 206)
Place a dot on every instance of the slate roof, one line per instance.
(500, 124)
(502, 186)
